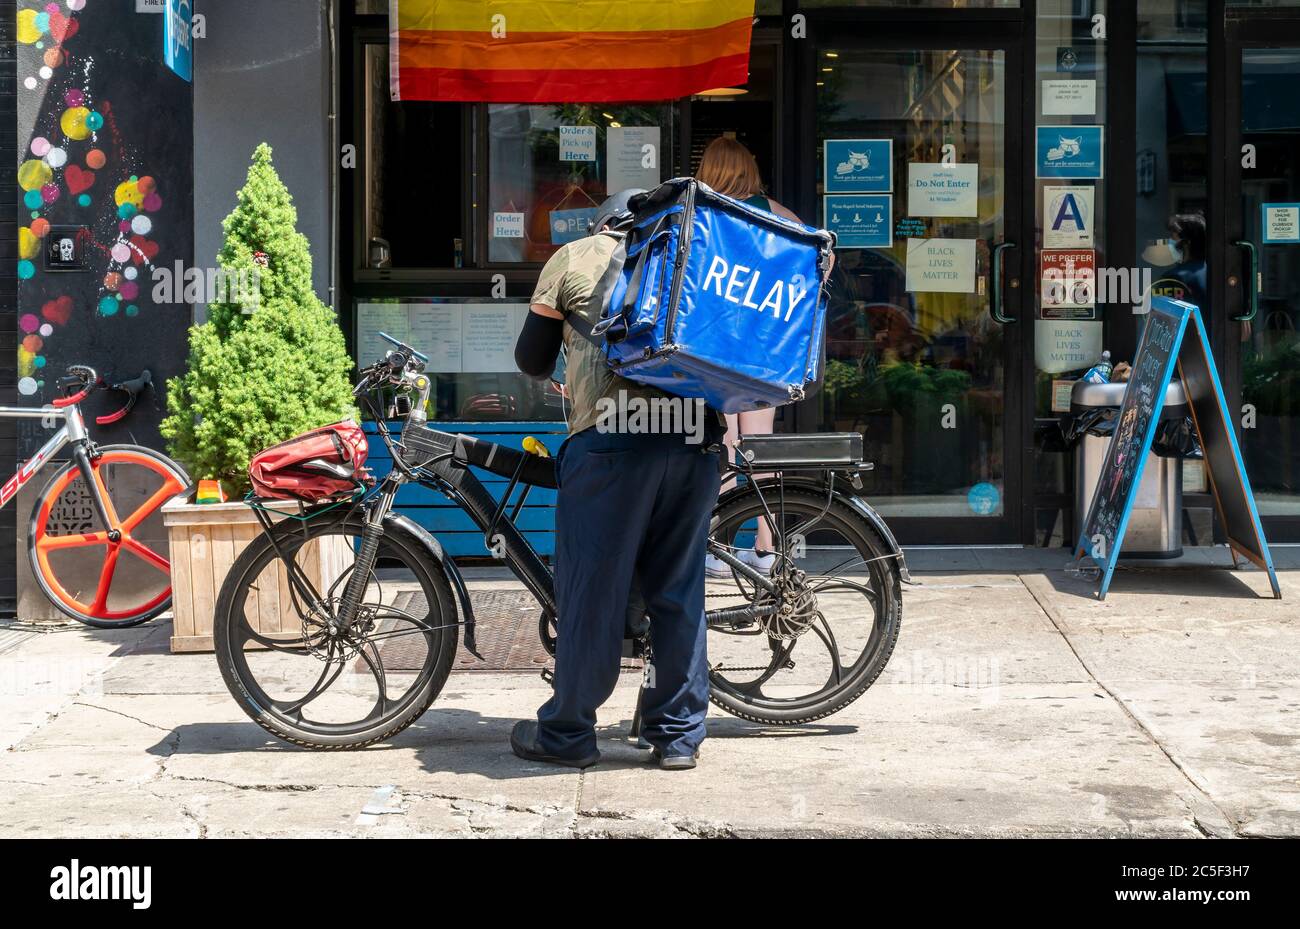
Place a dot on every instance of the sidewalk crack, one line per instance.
(1201, 789)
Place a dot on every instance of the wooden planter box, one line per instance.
(205, 541)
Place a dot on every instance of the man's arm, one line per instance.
(543, 333)
(540, 340)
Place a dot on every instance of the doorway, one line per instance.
(910, 149)
(1261, 255)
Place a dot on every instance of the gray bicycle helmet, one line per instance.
(614, 211)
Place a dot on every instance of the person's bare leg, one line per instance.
(757, 422)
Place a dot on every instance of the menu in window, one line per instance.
(436, 331)
(489, 332)
(374, 318)
(469, 338)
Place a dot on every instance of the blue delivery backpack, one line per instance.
(716, 300)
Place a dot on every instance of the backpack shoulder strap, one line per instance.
(605, 288)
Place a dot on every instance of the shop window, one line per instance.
(414, 190)
(550, 166)
(470, 342)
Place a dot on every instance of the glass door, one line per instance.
(918, 170)
(1262, 330)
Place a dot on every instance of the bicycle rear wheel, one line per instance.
(86, 574)
(816, 643)
(363, 684)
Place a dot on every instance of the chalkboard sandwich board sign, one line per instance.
(1175, 340)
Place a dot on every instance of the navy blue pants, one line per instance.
(632, 508)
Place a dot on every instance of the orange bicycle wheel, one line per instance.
(87, 574)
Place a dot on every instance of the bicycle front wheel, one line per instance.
(310, 681)
(105, 582)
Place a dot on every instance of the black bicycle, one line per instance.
(370, 650)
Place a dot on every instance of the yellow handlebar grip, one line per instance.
(535, 447)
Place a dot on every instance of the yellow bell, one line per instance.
(534, 447)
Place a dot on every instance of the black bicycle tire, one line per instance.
(854, 687)
(136, 620)
(246, 569)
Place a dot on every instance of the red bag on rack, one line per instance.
(314, 466)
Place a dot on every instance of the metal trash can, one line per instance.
(1155, 526)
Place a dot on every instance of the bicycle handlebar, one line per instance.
(89, 381)
(132, 389)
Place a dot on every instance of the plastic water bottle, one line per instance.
(1100, 372)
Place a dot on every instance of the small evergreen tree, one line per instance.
(261, 369)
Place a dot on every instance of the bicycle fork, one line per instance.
(367, 555)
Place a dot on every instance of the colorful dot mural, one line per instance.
(77, 153)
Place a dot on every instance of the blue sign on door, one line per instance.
(860, 221)
(178, 47)
(859, 166)
(1071, 152)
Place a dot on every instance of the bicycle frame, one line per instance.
(72, 430)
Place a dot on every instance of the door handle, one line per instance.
(995, 299)
(1252, 286)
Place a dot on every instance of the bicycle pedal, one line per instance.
(549, 676)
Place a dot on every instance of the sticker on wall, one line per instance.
(941, 266)
(1067, 217)
(943, 189)
(67, 248)
(1071, 152)
(858, 166)
(1069, 283)
(1075, 60)
(1061, 346)
(1069, 98)
(632, 157)
(984, 499)
(1281, 223)
(568, 225)
(577, 143)
(178, 51)
(507, 225)
(860, 220)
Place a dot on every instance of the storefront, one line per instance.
(977, 158)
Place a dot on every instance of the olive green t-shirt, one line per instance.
(570, 283)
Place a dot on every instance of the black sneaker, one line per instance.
(523, 742)
(674, 762)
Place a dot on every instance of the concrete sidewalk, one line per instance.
(1015, 705)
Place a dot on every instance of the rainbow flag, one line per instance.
(567, 51)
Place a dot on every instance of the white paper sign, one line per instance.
(632, 158)
(436, 329)
(488, 337)
(1069, 98)
(473, 338)
(507, 225)
(941, 266)
(374, 318)
(577, 143)
(151, 6)
(1066, 345)
(943, 190)
(1067, 217)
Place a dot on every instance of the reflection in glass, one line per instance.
(920, 373)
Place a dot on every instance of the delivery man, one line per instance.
(633, 508)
